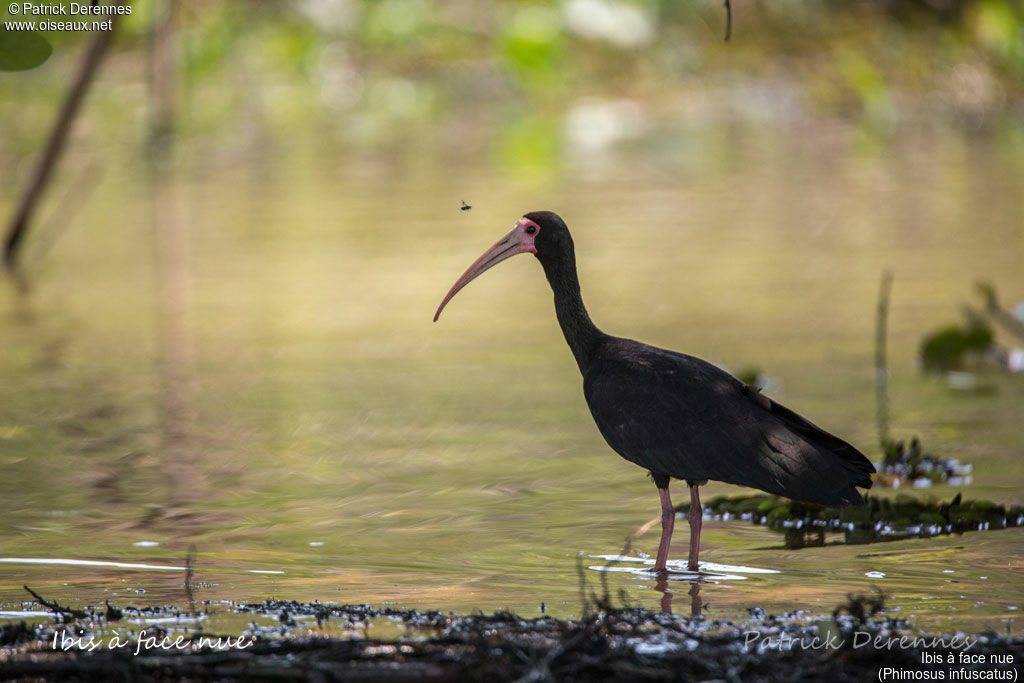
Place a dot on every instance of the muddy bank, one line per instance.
(321, 642)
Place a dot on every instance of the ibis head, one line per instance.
(541, 233)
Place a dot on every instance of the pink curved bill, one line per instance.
(515, 242)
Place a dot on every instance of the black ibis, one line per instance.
(676, 415)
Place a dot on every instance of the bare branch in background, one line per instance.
(728, 20)
(18, 227)
(1004, 318)
(881, 362)
(171, 241)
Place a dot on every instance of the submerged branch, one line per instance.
(57, 607)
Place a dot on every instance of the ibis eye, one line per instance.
(530, 229)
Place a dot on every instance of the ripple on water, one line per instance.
(116, 565)
(88, 563)
(709, 571)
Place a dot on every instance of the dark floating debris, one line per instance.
(903, 464)
(879, 519)
(465, 206)
(113, 613)
(862, 608)
(608, 643)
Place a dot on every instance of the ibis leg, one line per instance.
(696, 516)
(668, 520)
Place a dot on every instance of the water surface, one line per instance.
(315, 437)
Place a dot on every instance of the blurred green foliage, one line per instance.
(852, 54)
(533, 45)
(21, 50)
(947, 348)
(500, 76)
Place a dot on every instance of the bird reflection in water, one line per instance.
(696, 603)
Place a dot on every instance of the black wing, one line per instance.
(679, 416)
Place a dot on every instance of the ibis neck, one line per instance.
(580, 333)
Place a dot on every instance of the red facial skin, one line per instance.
(519, 241)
